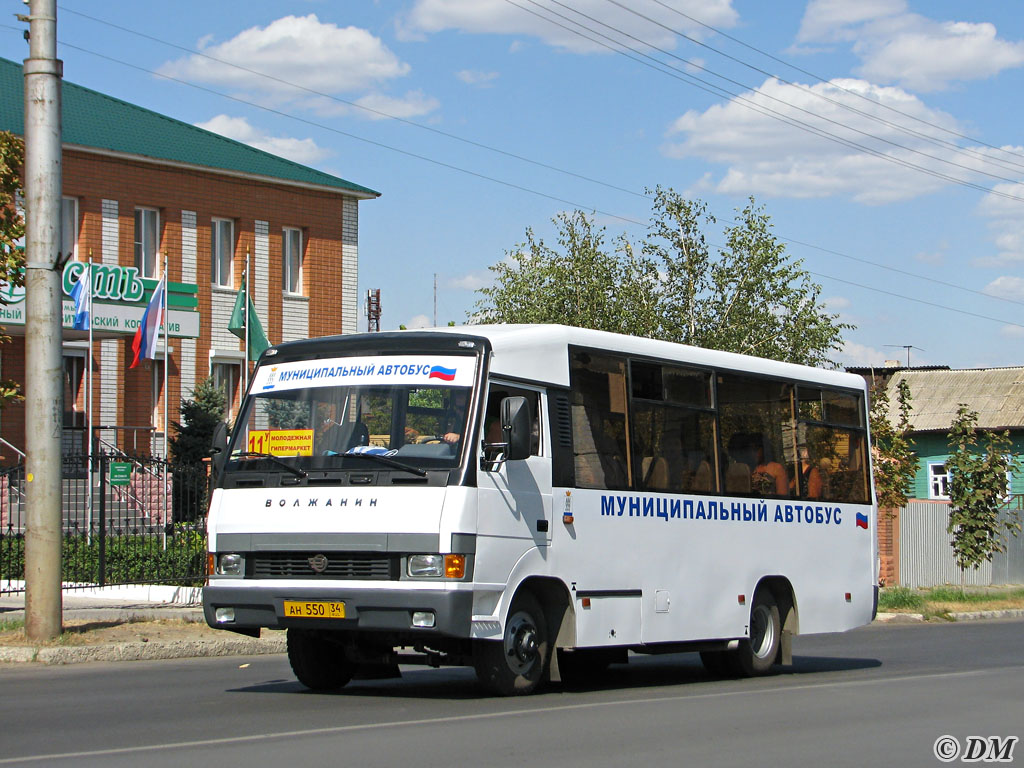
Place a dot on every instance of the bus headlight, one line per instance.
(229, 564)
(426, 566)
(436, 566)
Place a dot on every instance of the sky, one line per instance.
(882, 137)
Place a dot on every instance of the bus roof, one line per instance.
(536, 352)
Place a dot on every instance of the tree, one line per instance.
(191, 444)
(750, 297)
(892, 448)
(12, 230)
(977, 488)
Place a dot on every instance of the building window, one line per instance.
(69, 227)
(147, 228)
(222, 251)
(291, 253)
(938, 481)
(226, 377)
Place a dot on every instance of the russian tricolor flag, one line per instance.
(862, 521)
(144, 343)
(444, 374)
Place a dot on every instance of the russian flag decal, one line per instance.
(862, 521)
(445, 374)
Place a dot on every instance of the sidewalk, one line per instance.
(141, 608)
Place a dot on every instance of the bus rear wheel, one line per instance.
(318, 663)
(756, 654)
(516, 665)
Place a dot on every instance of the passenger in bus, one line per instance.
(767, 477)
(456, 418)
(809, 476)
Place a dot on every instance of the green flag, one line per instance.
(257, 338)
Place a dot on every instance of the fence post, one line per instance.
(102, 560)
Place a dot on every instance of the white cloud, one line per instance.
(296, 49)
(1005, 224)
(1006, 287)
(499, 17)
(765, 156)
(836, 303)
(470, 282)
(419, 321)
(916, 52)
(854, 354)
(305, 151)
(477, 78)
(413, 104)
(1012, 331)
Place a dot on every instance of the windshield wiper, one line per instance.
(389, 461)
(256, 455)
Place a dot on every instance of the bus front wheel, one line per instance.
(756, 654)
(516, 665)
(318, 663)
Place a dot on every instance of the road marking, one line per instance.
(490, 715)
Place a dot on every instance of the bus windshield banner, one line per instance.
(403, 370)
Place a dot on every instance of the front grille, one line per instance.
(340, 565)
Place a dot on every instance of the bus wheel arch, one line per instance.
(785, 598)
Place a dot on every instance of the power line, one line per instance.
(790, 105)
(371, 110)
(931, 139)
(349, 135)
(821, 79)
(516, 186)
(515, 156)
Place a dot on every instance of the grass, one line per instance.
(940, 602)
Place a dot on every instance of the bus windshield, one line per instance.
(352, 413)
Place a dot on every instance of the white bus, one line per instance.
(537, 501)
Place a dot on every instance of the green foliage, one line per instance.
(977, 486)
(192, 440)
(287, 414)
(893, 598)
(12, 229)
(952, 595)
(892, 447)
(750, 297)
(129, 559)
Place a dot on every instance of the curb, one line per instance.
(914, 618)
(178, 649)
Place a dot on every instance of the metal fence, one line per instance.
(926, 557)
(124, 520)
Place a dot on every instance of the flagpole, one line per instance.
(88, 407)
(245, 285)
(167, 344)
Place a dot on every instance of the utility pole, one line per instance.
(44, 409)
(435, 299)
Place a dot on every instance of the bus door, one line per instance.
(514, 496)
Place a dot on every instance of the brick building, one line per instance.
(144, 194)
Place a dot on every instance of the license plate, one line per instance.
(313, 610)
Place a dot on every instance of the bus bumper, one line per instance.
(369, 610)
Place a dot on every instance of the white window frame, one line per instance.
(235, 396)
(140, 239)
(68, 214)
(938, 481)
(221, 262)
(291, 261)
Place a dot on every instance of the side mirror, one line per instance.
(219, 447)
(516, 427)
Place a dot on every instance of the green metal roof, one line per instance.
(92, 119)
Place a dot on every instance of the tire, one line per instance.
(516, 665)
(319, 664)
(718, 663)
(757, 653)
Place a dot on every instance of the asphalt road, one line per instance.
(880, 695)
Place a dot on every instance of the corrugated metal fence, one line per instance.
(926, 557)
